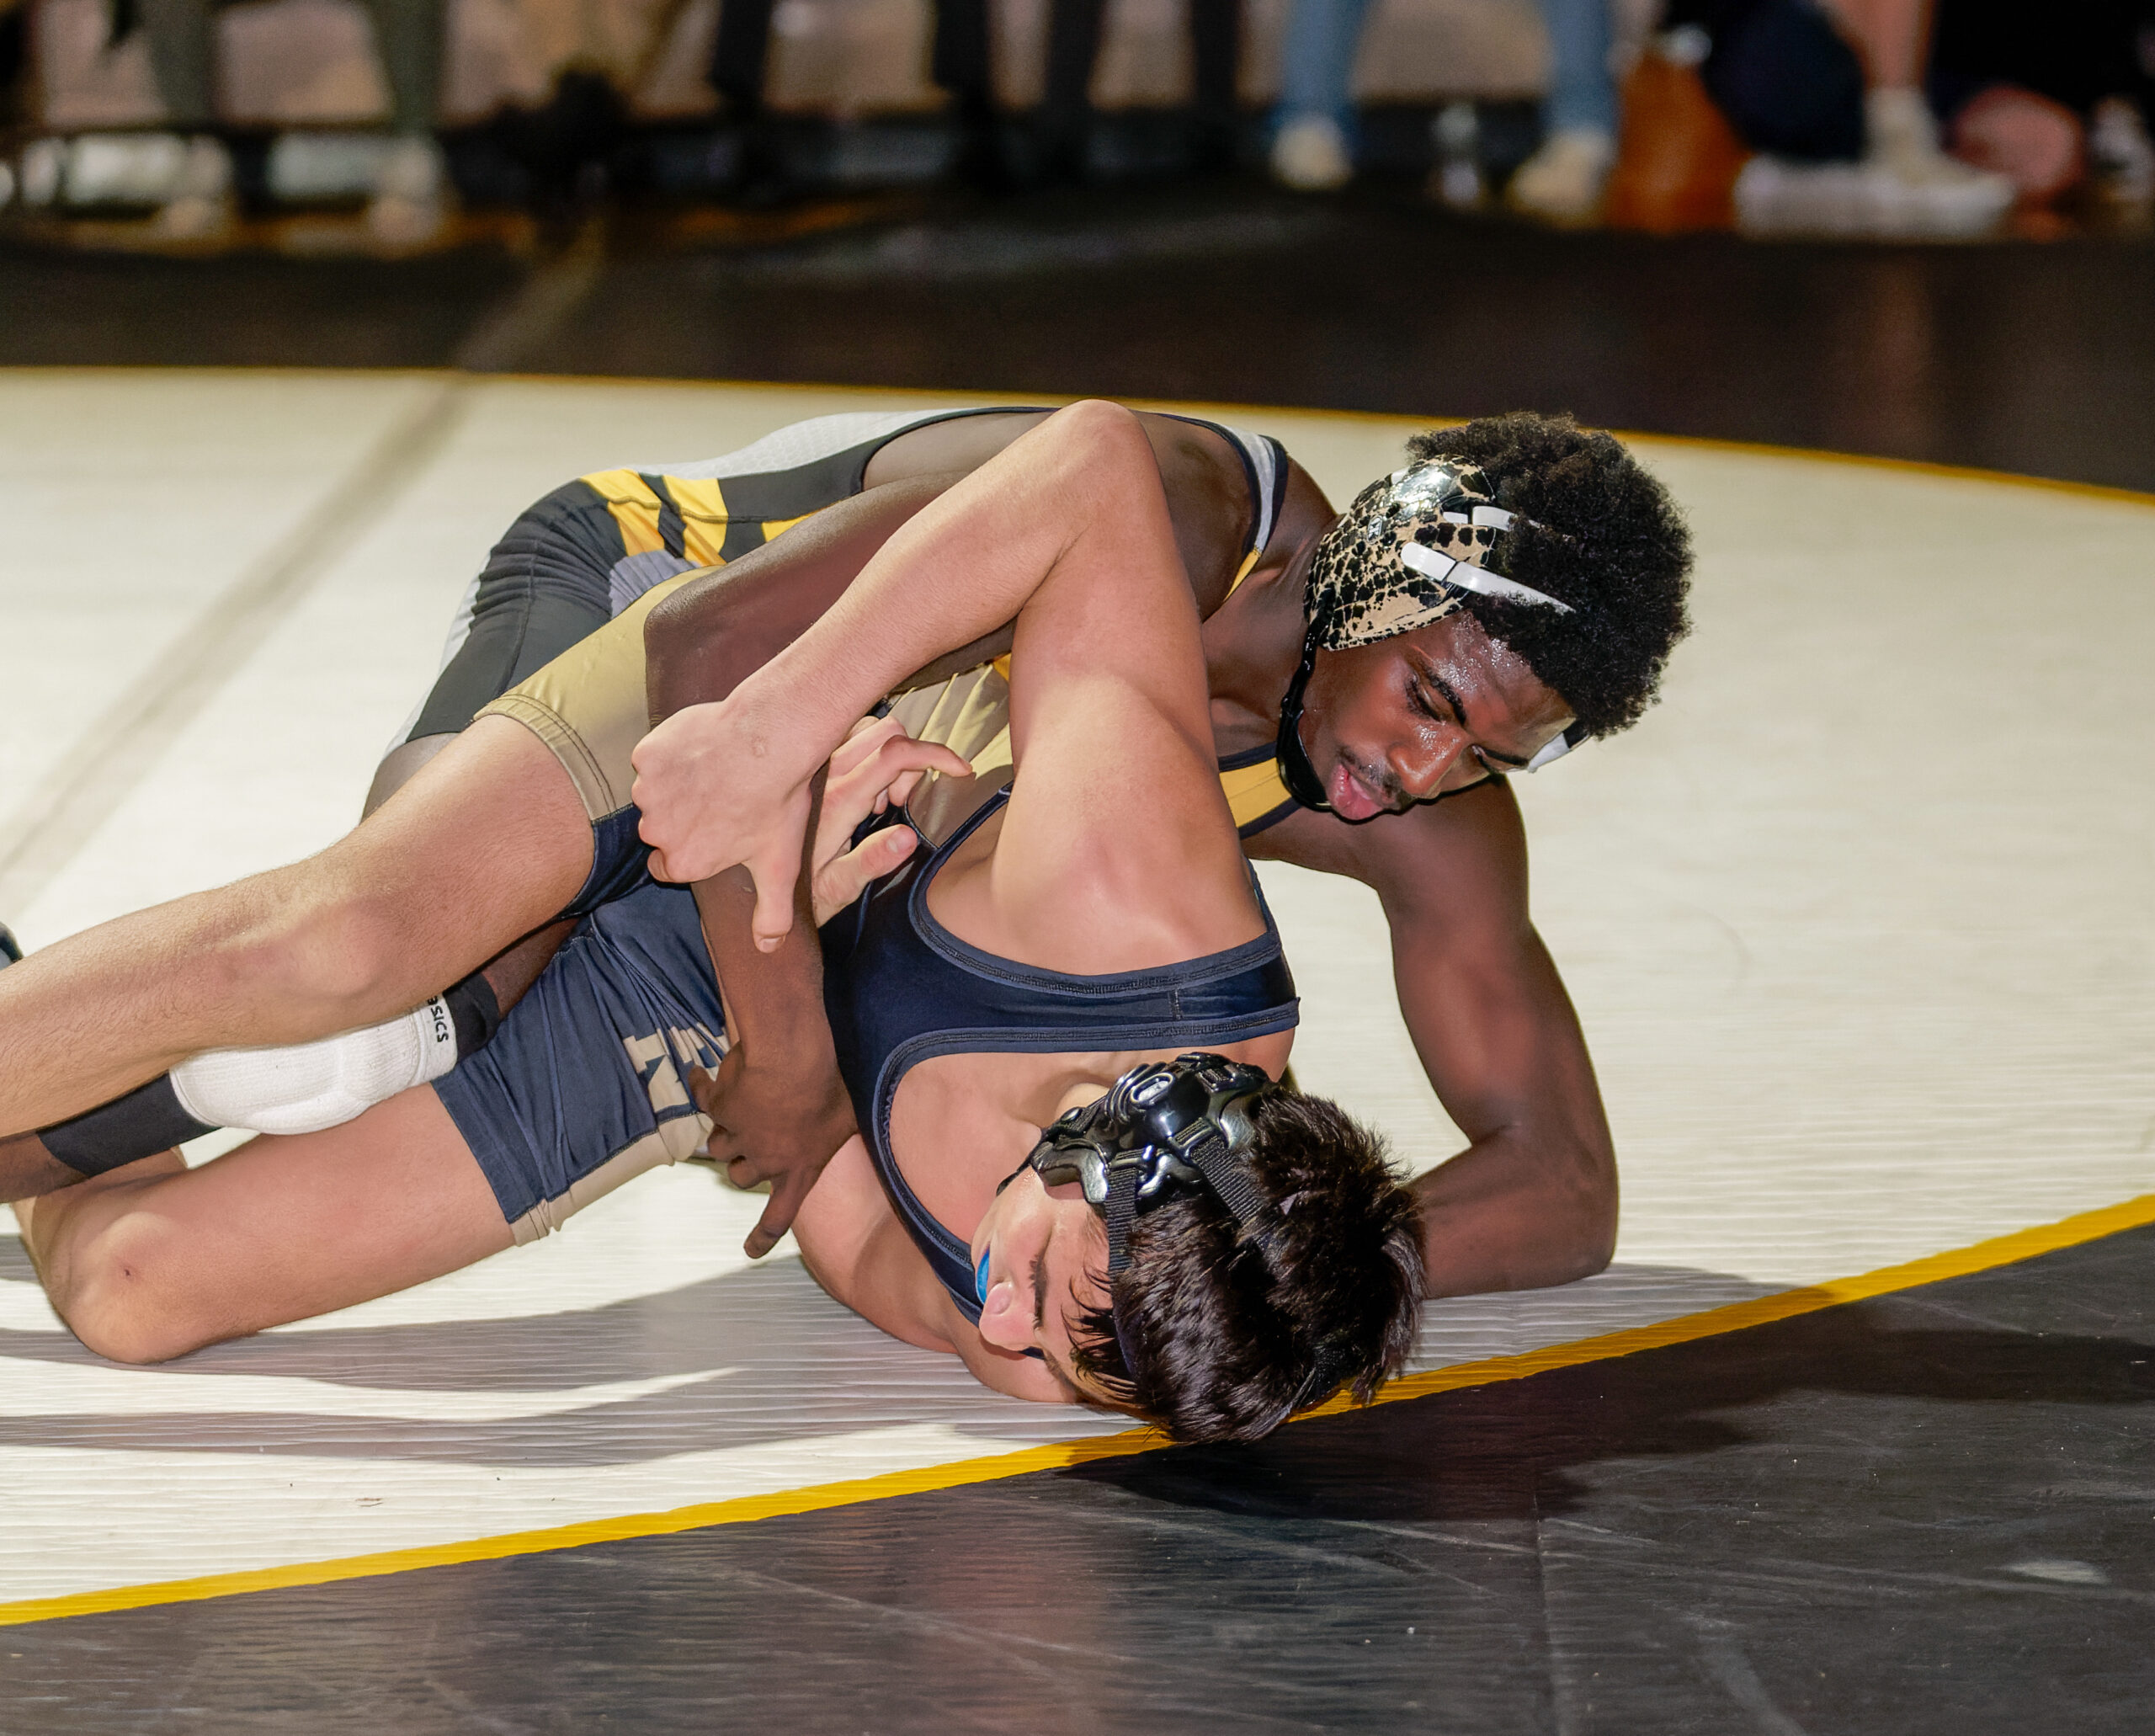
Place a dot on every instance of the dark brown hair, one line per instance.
(1216, 1331)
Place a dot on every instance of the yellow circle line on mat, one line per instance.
(1783, 1305)
(956, 396)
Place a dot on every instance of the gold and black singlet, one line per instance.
(577, 575)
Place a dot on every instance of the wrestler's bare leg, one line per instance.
(26, 1166)
(509, 974)
(154, 1259)
(484, 844)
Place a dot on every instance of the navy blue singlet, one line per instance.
(900, 987)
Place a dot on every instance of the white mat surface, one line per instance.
(1856, 921)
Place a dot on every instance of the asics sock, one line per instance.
(152, 1118)
(304, 1088)
(145, 1121)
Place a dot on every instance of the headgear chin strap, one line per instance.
(1300, 777)
(1164, 1128)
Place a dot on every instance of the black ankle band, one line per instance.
(476, 1013)
(142, 1124)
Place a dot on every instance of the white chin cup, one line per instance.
(311, 1086)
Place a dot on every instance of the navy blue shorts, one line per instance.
(586, 1084)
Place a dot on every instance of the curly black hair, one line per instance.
(1614, 548)
(1217, 1332)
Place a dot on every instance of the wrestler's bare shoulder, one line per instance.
(1474, 841)
(1204, 473)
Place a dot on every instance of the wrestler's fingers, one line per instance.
(787, 1192)
(903, 755)
(868, 736)
(772, 920)
(838, 882)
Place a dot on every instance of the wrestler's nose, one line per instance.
(1004, 1322)
(1420, 764)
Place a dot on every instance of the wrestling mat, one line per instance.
(1857, 922)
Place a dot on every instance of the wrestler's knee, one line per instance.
(323, 945)
(1098, 434)
(116, 1291)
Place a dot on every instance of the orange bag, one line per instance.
(1678, 159)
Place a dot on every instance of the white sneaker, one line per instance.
(201, 207)
(1309, 154)
(1913, 187)
(2120, 153)
(1564, 181)
(412, 194)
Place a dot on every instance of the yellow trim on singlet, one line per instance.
(702, 503)
(1254, 791)
(634, 506)
(701, 500)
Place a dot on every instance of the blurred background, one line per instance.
(1916, 228)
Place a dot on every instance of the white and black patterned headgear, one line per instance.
(1404, 555)
(1407, 553)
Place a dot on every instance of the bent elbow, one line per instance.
(698, 648)
(1591, 1242)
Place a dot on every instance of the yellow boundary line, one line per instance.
(1760, 448)
(1787, 1304)
(2003, 1250)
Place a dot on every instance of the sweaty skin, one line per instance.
(489, 839)
(149, 1262)
(1532, 1199)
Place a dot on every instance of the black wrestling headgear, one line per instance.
(1165, 1127)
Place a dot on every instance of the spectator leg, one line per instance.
(1582, 93)
(411, 195)
(182, 56)
(740, 56)
(1314, 127)
(1564, 181)
(411, 37)
(1066, 112)
(1216, 60)
(962, 64)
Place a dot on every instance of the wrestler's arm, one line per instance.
(853, 1246)
(777, 1104)
(957, 570)
(1532, 1200)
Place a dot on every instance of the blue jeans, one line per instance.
(1580, 92)
(1318, 65)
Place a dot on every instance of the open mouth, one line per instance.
(1351, 795)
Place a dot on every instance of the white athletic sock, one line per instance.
(311, 1086)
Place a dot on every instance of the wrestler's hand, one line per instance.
(874, 768)
(717, 791)
(779, 1124)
